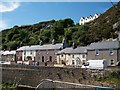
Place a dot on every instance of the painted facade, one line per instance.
(84, 20)
(72, 56)
(40, 53)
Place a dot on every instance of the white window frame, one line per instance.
(111, 52)
(31, 52)
(97, 52)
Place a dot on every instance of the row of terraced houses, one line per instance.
(60, 54)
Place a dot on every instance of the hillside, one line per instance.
(105, 26)
(100, 29)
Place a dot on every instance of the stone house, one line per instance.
(108, 50)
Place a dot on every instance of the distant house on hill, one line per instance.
(84, 20)
(40, 53)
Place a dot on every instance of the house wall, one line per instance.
(119, 55)
(31, 53)
(47, 54)
(19, 55)
(60, 58)
(87, 19)
(82, 21)
(103, 54)
(9, 57)
(75, 59)
(71, 59)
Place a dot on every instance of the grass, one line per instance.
(8, 86)
(113, 78)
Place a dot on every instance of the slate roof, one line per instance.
(8, 52)
(70, 50)
(41, 47)
(105, 45)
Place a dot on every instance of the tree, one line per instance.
(12, 45)
(68, 22)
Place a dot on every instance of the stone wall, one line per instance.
(32, 75)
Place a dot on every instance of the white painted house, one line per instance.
(72, 56)
(27, 51)
(84, 20)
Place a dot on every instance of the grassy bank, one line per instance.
(112, 79)
(8, 86)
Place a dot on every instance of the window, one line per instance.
(50, 58)
(83, 56)
(31, 52)
(83, 62)
(39, 59)
(46, 51)
(112, 62)
(62, 55)
(73, 62)
(39, 52)
(55, 51)
(34, 58)
(111, 52)
(78, 62)
(24, 53)
(72, 56)
(42, 58)
(46, 59)
(96, 52)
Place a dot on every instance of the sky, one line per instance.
(26, 13)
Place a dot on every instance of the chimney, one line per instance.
(64, 44)
(53, 42)
(118, 32)
(74, 45)
(40, 43)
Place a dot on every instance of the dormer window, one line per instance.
(111, 52)
(96, 52)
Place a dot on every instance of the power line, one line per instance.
(113, 5)
(111, 2)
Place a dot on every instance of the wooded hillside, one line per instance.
(101, 28)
